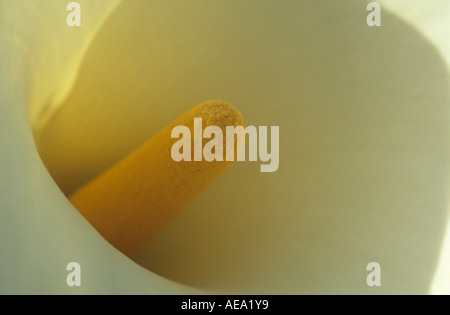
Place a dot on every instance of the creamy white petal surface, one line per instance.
(51, 49)
(432, 19)
(364, 162)
(40, 231)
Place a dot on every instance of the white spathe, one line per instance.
(40, 232)
(433, 21)
(364, 150)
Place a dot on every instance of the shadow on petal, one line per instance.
(364, 148)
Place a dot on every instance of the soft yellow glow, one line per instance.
(364, 161)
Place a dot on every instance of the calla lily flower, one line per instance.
(364, 143)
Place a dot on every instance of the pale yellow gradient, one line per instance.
(40, 231)
(432, 20)
(364, 151)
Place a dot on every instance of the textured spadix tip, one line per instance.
(220, 114)
(135, 199)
